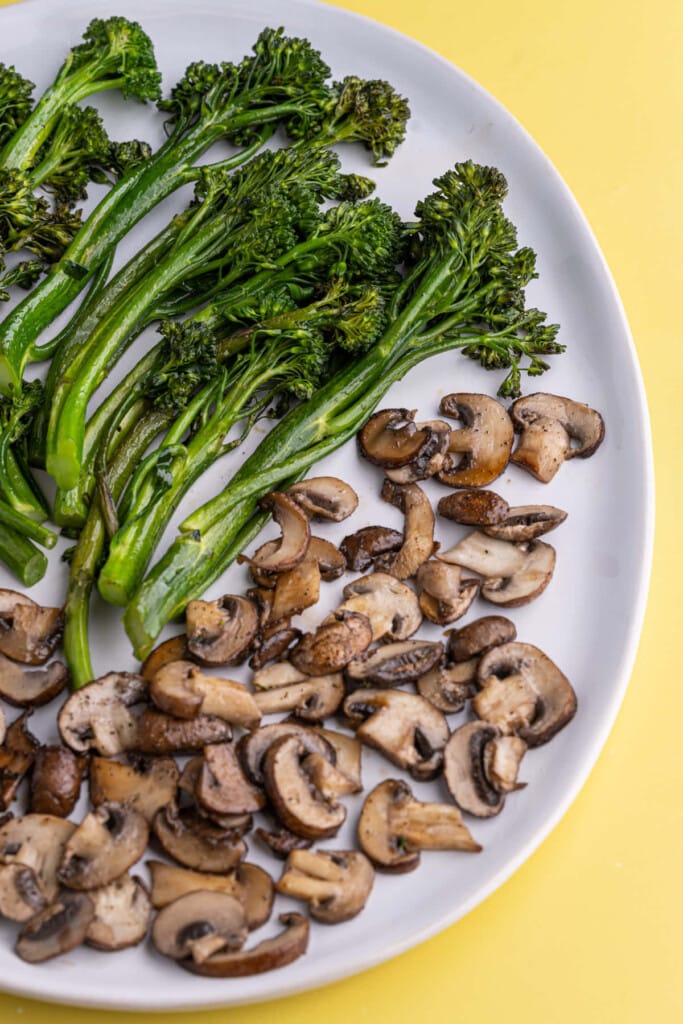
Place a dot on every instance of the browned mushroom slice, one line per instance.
(196, 842)
(445, 595)
(514, 574)
(222, 787)
(324, 497)
(430, 458)
(183, 690)
(221, 632)
(335, 883)
(313, 699)
(334, 644)
(479, 450)
(465, 773)
(390, 438)
(17, 755)
(158, 733)
(418, 543)
(252, 748)
(145, 784)
(31, 687)
(474, 508)
(122, 914)
(274, 646)
(330, 560)
(526, 522)
(405, 727)
(295, 800)
(296, 590)
(395, 664)
(57, 929)
(56, 781)
(28, 632)
(3, 727)
(281, 841)
(480, 636)
(199, 924)
(174, 649)
(279, 951)
(347, 750)
(450, 685)
(295, 529)
(524, 692)
(99, 717)
(31, 849)
(237, 824)
(249, 884)
(549, 424)
(389, 604)
(360, 549)
(108, 841)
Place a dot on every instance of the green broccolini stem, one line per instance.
(21, 557)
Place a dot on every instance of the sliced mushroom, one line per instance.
(145, 784)
(56, 781)
(108, 841)
(391, 439)
(549, 424)
(405, 727)
(418, 544)
(292, 545)
(524, 692)
(480, 636)
(274, 646)
(474, 508)
(28, 632)
(3, 727)
(252, 749)
(390, 605)
(514, 574)
(347, 750)
(502, 758)
(297, 803)
(122, 914)
(181, 689)
(279, 951)
(57, 929)
(480, 449)
(158, 733)
(430, 458)
(273, 676)
(221, 632)
(174, 649)
(313, 699)
(195, 842)
(98, 716)
(335, 883)
(281, 841)
(338, 640)
(222, 787)
(465, 773)
(360, 549)
(445, 595)
(249, 884)
(395, 664)
(450, 685)
(325, 497)
(296, 590)
(31, 849)
(526, 522)
(26, 687)
(199, 924)
(327, 778)
(17, 755)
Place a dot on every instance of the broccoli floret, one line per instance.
(24, 275)
(368, 111)
(78, 146)
(188, 362)
(15, 101)
(115, 54)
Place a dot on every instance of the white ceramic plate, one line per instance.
(588, 620)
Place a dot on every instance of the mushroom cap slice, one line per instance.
(107, 842)
(526, 522)
(339, 639)
(391, 439)
(173, 649)
(195, 842)
(296, 590)
(31, 849)
(502, 758)
(291, 547)
(199, 924)
(252, 748)
(272, 677)
(248, 883)
(450, 685)
(98, 716)
(418, 544)
(514, 573)
(57, 929)
(145, 783)
(279, 951)
(17, 755)
(221, 632)
(430, 457)
(158, 733)
(28, 632)
(56, 781)
(480, 636)
(347, 753)
(182, 689)
(327, 778)
(324, 497)
(297, 803)
(474, 508)
(360, 549)
(524, 692)
(405, 727)
(390, 605)
(122, 914)
(222, 787)
(375, 835)
(335, 883)
(31, 687)
(274, 646)
(280, 841)
(465, 773)
(3, 727)
(445, 595)
(313, 699)
(481, 446)
(549, 424)
(395, 664)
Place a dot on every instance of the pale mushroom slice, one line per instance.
(282, 673)
(282, 949)
(347, 751)
(291, 547)
(524, 692)
(57, 929)
(31, 687)
(56, 780)
(221, 632)
(3, 727)
(325, 497)
(28, 632)
(389, 604)
(339, 639)
(252, 748)
(474, 508)
(17, 754)
(449, 685)
(145, 783)
(514, 574)
(336, 884)
(445, 595)
(549, 424)
(123, 910)
(31, 849)
(196, 842)
(181, 689)
(294, 798)
(405, 727)
(480, 450)
(327, 778)
(222, 787)
(99, 716)
(418, 543)
(395, 664)
(502, 758)
(312, 699)
(198, 924)
(248, 883)
(474, 766)
(480, 636)
(108, 841)
(526, 522)
(360, 549)
(430, 458)
(158, 733)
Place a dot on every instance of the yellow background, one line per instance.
(589, 930)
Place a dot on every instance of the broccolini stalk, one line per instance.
(21, 557)
(17, 485)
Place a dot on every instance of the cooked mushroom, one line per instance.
(28, 632)
(405, 727)
(3, 727)
(390, 605)
(181, 689)
(480, 449)
(274, 676)
(480, 636)
(122, 914)
(418, 544)
(298, 804)
(325, 497)
(107, 842)
(395, 664)
(56, 781)
(57, 929)
(390, 438)
(312, 699)
(249, 884)
(430, 457)
(526, 522)
(347, 750)
(394, 827)
(339, 639)
(30, 687)
(474, 508)
(327, 778)
(549, 424)
(279, 951)
(281, 841)
(524, 692)
(145, 784)
(295, 534)
(465, 772)
(252, 749)
(158, 733)
(17, 755)
(273, 646)
(199, 924)
(360, 549)
(98, 716)
(196, 842)
(222, 787)
(335, 883)
(445, 596)
(449, 685)
(31, 849)
(296, 590)
(221, 632)
(174, 649)
(502, 758)
(514, 574)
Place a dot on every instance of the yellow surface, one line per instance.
(588, 931)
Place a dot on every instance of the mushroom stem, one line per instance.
(304, 887)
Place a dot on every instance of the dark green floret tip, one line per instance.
(116, 47)
(15, 101)
(189, 361)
